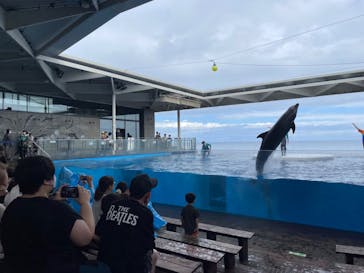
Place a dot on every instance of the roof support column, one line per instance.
(178, 123)
(113, 115)
(147, 124)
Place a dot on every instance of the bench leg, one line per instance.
(211, 235)
(171, 227)
(229, 261)
(243, 253)
(209, 267)
(349, 259)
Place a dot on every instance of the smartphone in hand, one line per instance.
(69, 192)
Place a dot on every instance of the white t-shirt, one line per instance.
(13, 194)
(2, 209)
(96, 210)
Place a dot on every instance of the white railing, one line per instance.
(81, 148)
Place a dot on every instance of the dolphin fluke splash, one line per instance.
(272, 138)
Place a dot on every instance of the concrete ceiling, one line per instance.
(34, 33)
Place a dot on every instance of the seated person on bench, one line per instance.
(41, 235)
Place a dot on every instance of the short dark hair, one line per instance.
(122, 186)
(31, 172)
(108, 200)
(141, 184)
(190, 197)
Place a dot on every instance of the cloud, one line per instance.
(191, 125)
(226, 31)
(249, 115)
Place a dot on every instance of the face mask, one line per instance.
(54, 181)
(54, 184)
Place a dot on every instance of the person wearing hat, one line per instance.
(126, 231)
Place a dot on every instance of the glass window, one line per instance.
(37, 104)
(57, 108)
(15, 102)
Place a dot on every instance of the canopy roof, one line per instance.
(34, 32)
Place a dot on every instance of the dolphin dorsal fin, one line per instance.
(293, 127)
(262, 135)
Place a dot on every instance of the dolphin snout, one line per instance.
(295, 107)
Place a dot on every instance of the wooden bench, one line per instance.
(208, 257)
(348, 268)
(212, 231)
(229, 249)
(173, 264)
(165, 263)
(350, 252)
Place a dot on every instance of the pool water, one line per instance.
(320, 188)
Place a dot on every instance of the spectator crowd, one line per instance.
(43, 230)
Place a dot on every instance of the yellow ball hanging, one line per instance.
(214, 67)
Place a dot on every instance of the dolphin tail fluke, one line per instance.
(262, 135)
(293, 127)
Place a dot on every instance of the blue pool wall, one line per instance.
(331, 205)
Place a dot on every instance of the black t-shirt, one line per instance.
(189, 215)
(36, 236)
(126, 233)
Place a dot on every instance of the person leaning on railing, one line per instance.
(41, 235)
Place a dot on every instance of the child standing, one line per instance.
(190, 216)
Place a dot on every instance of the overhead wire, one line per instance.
(288, 65)
(289, 37)
(213, 60)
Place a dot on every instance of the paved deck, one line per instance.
(269, 248)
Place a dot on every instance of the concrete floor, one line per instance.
(270, 246)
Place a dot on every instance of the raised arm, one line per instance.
(83, 230)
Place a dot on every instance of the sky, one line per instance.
(251, 42)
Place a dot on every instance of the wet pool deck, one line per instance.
(270, 246)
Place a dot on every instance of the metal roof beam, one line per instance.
(133, 89)
(2, 18)
(87, 88)
(323, 90)
(79, 76)
(16, 75)
(104, 72)
(23, 18)
(179, 101)
(360, 84)
(13, 60)
(284, 88)
(53, 78)
(141, 97)
(19, 38)
(96, 4)
(303, 92)
(8, 86)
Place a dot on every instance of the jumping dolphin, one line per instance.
(272, 138)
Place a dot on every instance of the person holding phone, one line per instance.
(41, 235)
(86, 182)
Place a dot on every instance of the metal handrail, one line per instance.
(82, 148)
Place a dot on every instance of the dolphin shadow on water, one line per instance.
(272, 138)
